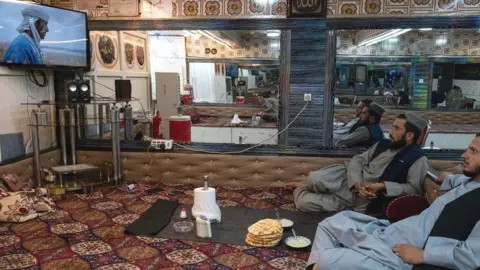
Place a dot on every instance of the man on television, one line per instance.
(25, 48)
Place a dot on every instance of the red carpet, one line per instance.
(87, 233)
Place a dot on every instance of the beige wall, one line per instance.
(16, 88)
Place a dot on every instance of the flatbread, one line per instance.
(266, 227)
(264, 233)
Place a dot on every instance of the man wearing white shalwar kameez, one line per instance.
(351, 240)
(25, 48)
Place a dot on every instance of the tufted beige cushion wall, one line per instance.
(24, 168)
(224, 170)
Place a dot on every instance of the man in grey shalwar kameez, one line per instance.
(444, 236)
(343, 131)
(356, 183)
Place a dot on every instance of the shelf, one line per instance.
(71, 104)
(74, 168)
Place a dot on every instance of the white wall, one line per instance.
(168, 54)
(15, 88)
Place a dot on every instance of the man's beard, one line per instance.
(473, 174)
(398, 144)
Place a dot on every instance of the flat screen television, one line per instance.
(33, 35)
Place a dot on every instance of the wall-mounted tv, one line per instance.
(35, 35)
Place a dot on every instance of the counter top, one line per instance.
(226, 122)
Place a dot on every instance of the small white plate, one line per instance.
(286, 223)
(299, 243)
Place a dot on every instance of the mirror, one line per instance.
(433, 72)
(226, 82)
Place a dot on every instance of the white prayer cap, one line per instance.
(36, 12)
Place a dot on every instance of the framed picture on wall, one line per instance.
(107, 50)
(306, 8)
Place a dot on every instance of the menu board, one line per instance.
(123, 8)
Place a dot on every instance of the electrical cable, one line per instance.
(251, 147)
(33, 78)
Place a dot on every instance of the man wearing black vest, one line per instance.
(444, 236)
(367, 131)
(343, 131)
(389, 168)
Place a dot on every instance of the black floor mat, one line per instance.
(235, 222)
(154, 219)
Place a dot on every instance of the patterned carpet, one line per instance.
(87, 232)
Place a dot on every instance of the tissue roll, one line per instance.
(205, 203)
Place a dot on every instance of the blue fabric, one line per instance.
(352, 240)
(376, 133)
(23, 50)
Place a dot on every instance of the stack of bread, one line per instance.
(264, 233)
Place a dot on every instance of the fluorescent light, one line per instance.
(393, 39)
(214, 38)
(425, 29)
(387, 35)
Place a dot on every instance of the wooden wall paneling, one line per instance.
(307, 75)
(285, 47)
(330, 60)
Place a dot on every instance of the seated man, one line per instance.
(345, 130)
(368, 131)
(395, 167)
(270, 107)
(447, 234)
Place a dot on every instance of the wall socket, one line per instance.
(307, 97)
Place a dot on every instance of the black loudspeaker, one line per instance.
(123, 90)
(78, 91)
(73, 91)
(85, 95)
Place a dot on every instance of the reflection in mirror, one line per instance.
(192, 86)
(233, 82)
(430, 72)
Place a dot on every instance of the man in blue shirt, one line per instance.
(25, 48)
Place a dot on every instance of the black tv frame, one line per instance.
(57, 67)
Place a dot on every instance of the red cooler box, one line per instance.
(180, 128)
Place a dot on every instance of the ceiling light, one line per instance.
(425, 29)
(395, 39)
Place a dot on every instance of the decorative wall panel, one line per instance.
(307, 75)
(252, 48)
(118, 51)
(228, 8)
(416, 43)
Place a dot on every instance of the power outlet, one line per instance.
(162, 144)
(307, 97)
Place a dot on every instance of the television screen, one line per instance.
(37, 35)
